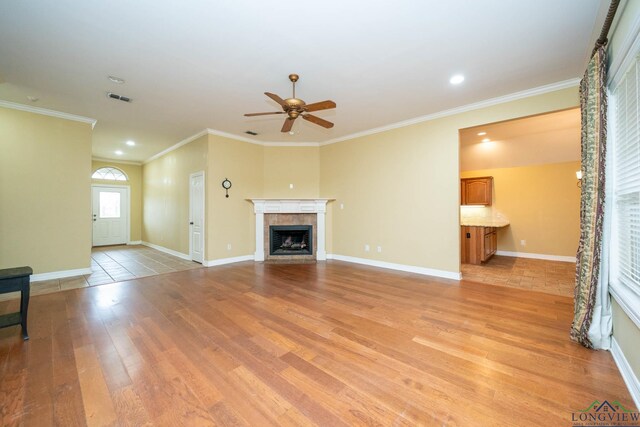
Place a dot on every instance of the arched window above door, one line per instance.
(109, 174)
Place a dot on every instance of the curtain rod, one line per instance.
(602, 40)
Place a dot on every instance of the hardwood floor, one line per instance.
(331, 344)
(551, 277)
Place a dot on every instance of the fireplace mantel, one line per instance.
(303, 206)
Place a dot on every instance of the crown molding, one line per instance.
(122, 162)
(291, 144)
(45, 112)
(463, 109)
(469, 107)
(232, 136)
(176, 146)
(263, 143)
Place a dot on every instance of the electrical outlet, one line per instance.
(341, 205)
(523, 243)
(379, 249)
(367, 248)
(291, 186)
(228, 246)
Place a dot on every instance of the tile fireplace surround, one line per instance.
(317, 207)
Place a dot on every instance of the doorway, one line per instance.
(110, 206)
(196, 216)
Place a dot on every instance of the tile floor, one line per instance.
(111, 264)
(551, 277)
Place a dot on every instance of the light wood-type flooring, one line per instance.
(110, 264)
(552, 277)
(327, 344)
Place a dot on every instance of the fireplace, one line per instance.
(290, 240)
(290, 212)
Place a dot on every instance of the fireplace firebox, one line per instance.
(290, 240)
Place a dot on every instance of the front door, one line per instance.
(110, 215)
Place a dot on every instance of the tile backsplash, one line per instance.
(480, 212)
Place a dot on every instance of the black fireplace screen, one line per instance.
(290, 240)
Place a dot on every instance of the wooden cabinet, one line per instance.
(476, 191)
(478, 244)
(490, 243)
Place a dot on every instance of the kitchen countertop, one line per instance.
(484, 222)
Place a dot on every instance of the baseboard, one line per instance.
(455, 275)
(223, 261)
(135, 242)
(537, 256)
(59, 274)
(167, 250)
(630, 379)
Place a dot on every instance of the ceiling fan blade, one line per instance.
(317, 120)
(288, 124)
(324, 105)
(276, 98)
(263, 114)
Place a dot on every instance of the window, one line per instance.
(625, 163)
(109, 205)
(109, 174)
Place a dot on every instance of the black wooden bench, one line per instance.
(13, 280)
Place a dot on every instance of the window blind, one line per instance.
(625, 147)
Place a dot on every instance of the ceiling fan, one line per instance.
(294, 108)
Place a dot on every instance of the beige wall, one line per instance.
(299, 166)
(134, 173)
(400, 188)
(542, 204)
(45, 179)
(625, 332)
(231, 220)
(165, 195)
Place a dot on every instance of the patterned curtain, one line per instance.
(593, 104)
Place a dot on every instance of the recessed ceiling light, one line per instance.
(131, 143)
(457, 79)
(482, 133)
(486, 140)
(119, 152)
(117, 80)
(32, 98)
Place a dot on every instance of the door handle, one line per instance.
(191, 223)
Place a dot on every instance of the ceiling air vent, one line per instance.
(118, 97)
(250, 132)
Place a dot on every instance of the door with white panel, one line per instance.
(110, 215)
(196, 216)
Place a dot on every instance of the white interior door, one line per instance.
(110, 215)
(196, 214)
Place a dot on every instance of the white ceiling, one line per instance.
(202, 64)
(536, 140)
